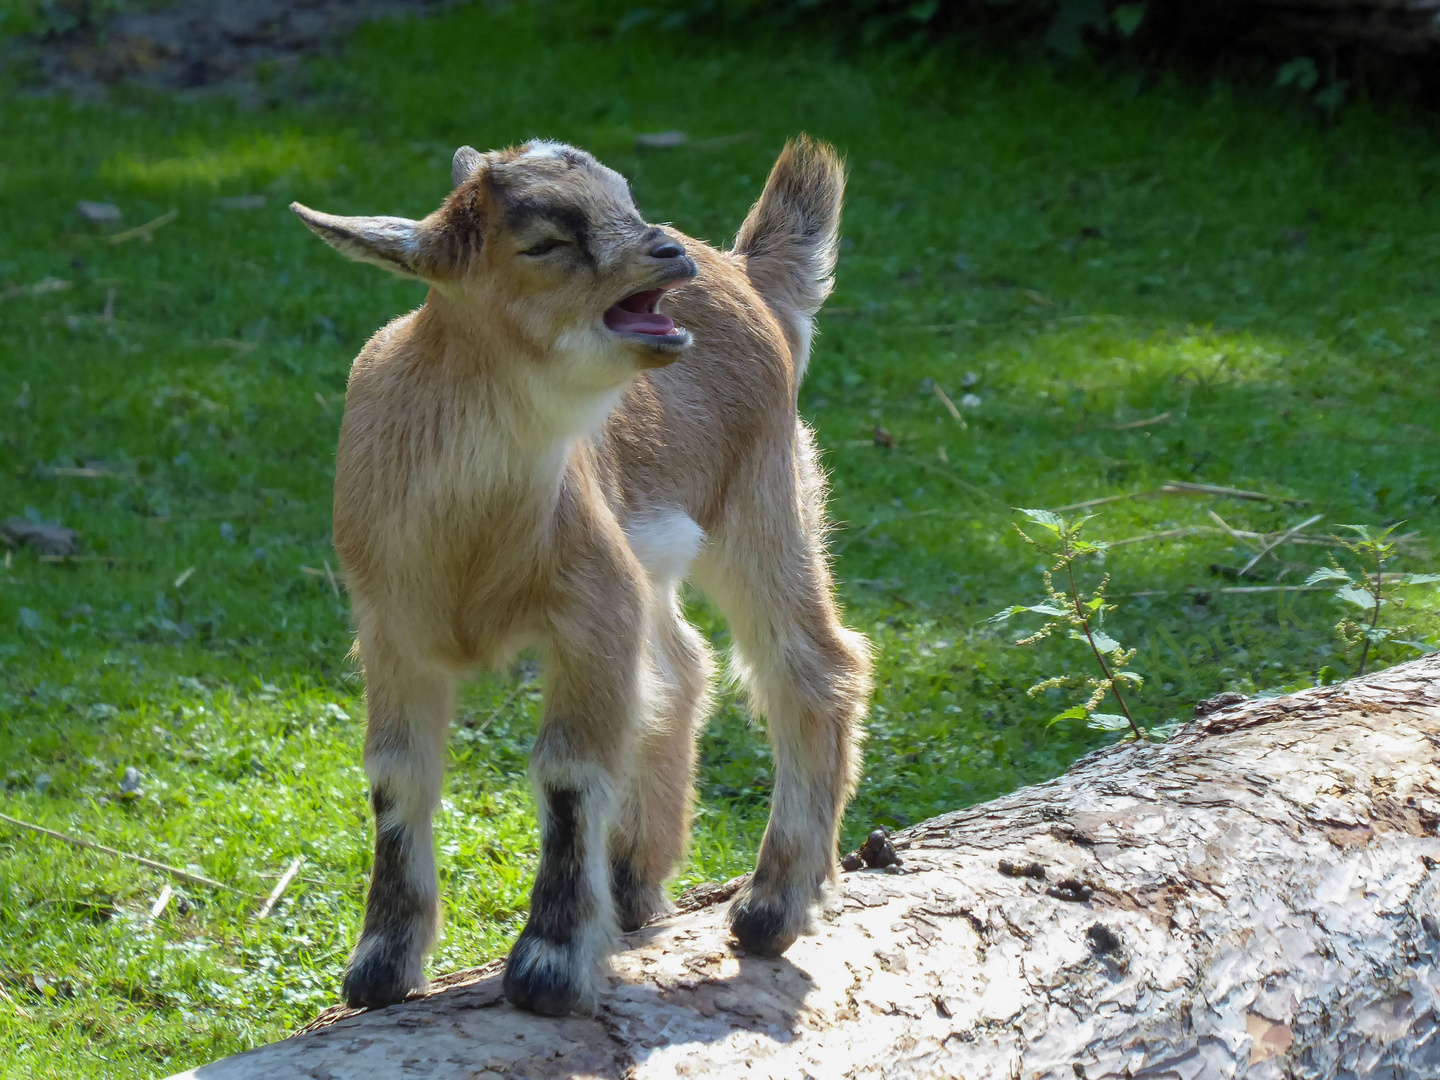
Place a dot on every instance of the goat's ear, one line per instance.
(462, 167)
(392, 243)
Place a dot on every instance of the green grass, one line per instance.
(1092, 254)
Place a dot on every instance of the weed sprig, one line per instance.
(1371, 593)
(1082, 616)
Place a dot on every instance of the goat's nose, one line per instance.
(667, 249)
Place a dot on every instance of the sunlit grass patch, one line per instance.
(251, 160)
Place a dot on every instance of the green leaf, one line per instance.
(1075, 712)
(1423, 646)
(1103, 641)
(1131, 677)
(1017, 609)
(1359, 597)
(1051, 521)
(1127, 18)
(1101, 721)
(1419, 579)
(1327, 573)
(1375, 634)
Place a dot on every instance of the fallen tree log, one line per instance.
(1254, 898)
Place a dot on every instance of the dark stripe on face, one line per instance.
(521, 213)
(561, 899)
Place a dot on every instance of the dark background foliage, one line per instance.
(1325, 48)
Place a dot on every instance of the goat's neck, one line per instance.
(529, 404)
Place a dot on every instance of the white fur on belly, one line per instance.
(666, 541)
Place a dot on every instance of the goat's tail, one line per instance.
(791, 236)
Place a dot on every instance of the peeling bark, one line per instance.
(1254, 898)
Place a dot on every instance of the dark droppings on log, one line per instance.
(1102, 939)
(878, 852)
(1022, 869)
(1070, 890)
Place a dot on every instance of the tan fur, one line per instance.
(510, 473)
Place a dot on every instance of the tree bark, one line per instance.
(1254, 898)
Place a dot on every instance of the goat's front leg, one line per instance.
(404, 745)
(592, 703)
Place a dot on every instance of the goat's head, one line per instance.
(544, 244)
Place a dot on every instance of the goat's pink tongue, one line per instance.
(623, 321)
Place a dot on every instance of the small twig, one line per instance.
(1233, 589)
(1168, 534)
(184, 576)
(505, 704)
(334, 585)
(1180, 487)
(280, 887)
(1226, 526)
(161, 902)
(144, 232)
(950, 407)
(87, 473)
(1150, 421)
(1206, 530)
(1107, 499)
(90, 845)
(1272, 545)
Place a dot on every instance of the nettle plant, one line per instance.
(1367, 596)
(1081, 618)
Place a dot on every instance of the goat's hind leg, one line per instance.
(810, 677)
(409, 709)
(653, 828)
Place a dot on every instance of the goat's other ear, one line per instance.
(391, 243)
(462, 167)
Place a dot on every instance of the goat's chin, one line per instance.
(652, 350)
(622, 354)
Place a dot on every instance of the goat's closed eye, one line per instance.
(544, 247)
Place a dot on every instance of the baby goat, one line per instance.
(586, 410)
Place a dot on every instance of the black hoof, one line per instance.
(541, 977)
(378, 979)
(761, 928)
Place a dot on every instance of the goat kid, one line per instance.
(586, 410)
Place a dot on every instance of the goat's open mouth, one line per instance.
(636, 314)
